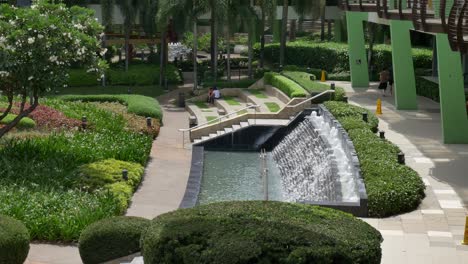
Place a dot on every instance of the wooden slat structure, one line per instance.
(450, 18)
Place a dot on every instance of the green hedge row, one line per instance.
(427, 89)
(139, 74)
(289, 87)
(232, 84)
(260, 232)
(391, 188)
(14, 241)
(333, 57)
(136, 104)
(111, 238)
(24, 123)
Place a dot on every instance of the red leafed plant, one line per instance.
(49, 118)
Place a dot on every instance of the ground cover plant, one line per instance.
(201, 105)
(42, 180)
(287, 86)
(260, 232)
(392, 188)
(273, 107)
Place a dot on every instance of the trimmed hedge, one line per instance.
(136, 104)
(289, 87)
(333, 57)
(233, 84)
(24, 123)
(138, 74)
(111, 238)
(260, 232)
(427, 89)
(391, 188)
(14, 241)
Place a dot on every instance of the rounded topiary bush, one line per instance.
(14, 241)
(260, 232)
(111, 238)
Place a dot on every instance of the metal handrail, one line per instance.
(312, 98)
(264, 173)
(218, 119)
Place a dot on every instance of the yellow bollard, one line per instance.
(323, 78)
(465, 238)
(378, 111)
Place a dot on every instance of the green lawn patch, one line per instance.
(211, 119)
(258, 93)
(260, 232)
(25, 123)
(303, 79)
(230, 100)
(242, 112)
(136, 104)
(273, 107)
(207, 111)
(391, 188)
(287, 86)
(201, 105)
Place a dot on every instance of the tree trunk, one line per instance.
(371, 28)
(300, 24)
(8, 109)
(329, 34)
(215, 50)
(250, 40)
(213, 40)
(127, 48)
(322, 27)
(162, 58)
(262, 41)
(21, 115)
(284, 33)
(195, 51)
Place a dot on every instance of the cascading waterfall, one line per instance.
(314, 165)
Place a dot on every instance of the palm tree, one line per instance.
(267, 9)
(218, 10)
(129, 10)
(284, 31)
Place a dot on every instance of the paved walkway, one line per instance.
(433, 233)
(162, 188)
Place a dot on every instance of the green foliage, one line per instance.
(24, 123)
(136, 104)
(427, 89)
(137, 74)
(111, 238)
(333, 57)
(14, 241)
(339, 76)
(258, 93)
(273, 107)
(201, 105)
(260, 232)
(204, 41)
(287, 86)
(39, 183)
(391, 188)
(231, 100)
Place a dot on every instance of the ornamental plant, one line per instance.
(38, 45)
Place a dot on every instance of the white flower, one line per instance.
(4, 74)
(31, 40)
(103, 52)
(30, 78)
(53, 58)
(40, 36)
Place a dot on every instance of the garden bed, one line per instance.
(61, 182)
(392, 188)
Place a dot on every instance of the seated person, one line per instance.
(216, 93)
(210, 97)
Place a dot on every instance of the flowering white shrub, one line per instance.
(37, 47)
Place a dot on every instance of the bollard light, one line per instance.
(345, 99)
(281, 68)
(382, 134)
(333, 86)
(125, 175)
(84, 122)
(129, 90)
(365, 117)
(148, 122)
(401, 158)
(309, 70)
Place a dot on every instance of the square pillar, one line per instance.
(404, 87)
(357, 49)
(452, 93)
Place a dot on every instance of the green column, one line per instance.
(357, 49)
(276, 31)
(403, 70)
(338, 30)
(452, 94)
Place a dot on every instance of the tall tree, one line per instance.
(267, 9)
(307, 8)
(129, 10)
(284, 31)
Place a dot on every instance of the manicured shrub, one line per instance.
(339, 76)
(24, 123)
(286, 85)
(260, 232)
(80, 77)
(427, 89)
(391, 188)
(137, 104)
(333, 57)
(232, 84)
(14, 241)
(111, 238)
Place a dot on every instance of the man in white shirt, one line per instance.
(216, 93)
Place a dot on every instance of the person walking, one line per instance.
(384, 78)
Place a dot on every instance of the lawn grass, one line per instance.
(303, 79)
(273, 107)
(150, 90)
(231, 100)
(201, 105)
(211, 119)
(24, 123)
(242, 112)
(259, 94)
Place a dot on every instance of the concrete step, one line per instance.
(244, 124)
(138, 260)
(228, 130)
(205, 138)
(197, 141)
(212, 135)
(221, 132)
(235, 127)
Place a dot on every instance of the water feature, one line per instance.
(313, 164)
